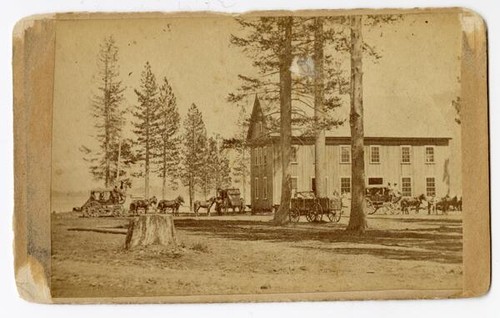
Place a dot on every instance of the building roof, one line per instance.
(391, 117)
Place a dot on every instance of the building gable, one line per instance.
(257, 127)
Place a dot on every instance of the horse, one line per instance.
(142, 204)
(407, 203)
(207, 204)
(174, 205)
(456, 203)
(443, 204)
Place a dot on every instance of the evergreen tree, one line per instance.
(194, 150)
(167, 144)
(108, 113)
(273, 44)
(147, 124)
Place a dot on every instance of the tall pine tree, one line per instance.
(167, 144)
(146, 126)
(194, 141)
(274, 43)
(108, 112)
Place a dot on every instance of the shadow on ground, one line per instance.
(437, 240)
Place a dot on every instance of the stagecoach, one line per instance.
(229, 199)
(313, 208)
(103, 202)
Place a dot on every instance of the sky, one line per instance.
(420, 64)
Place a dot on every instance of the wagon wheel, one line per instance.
(393, 208)
(310, 216)
(370, 208)
(92, 209)
(118, 210)
(294, 215)
(318, 212)
(334, 215)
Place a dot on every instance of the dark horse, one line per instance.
(456, 203)
(207, 204)
(143, 204)
(408, 203)
(174, 205)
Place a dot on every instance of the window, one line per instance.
(375, 181)
(313, 184)
(405, 154)
(264, 154)
(374, 154)
(429, 154)
(430, 186)
(293, 155)
(264, 188)
(345, 154)
(406, 186)
(256, 188)
(345, 185)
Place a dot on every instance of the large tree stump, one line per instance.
(152, 229)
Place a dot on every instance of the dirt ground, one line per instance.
(246, 254)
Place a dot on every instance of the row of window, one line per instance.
(406, 186)
(375, 158)
(345, 155)
(345, 186)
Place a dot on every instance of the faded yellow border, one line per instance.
(33, 73)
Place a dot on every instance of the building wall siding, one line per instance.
(390, 169)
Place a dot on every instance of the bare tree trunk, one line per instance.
(357, 220)
(106, 124)
(117, 178)
(319, 112)
(164, 174)
(191, 193)
(281, 216)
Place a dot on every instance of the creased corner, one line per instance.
(31, 282)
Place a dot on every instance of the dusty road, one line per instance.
(246, 254)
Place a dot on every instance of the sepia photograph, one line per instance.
(259, 155)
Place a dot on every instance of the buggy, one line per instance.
(381, 198)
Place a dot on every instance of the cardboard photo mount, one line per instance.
(34, 40)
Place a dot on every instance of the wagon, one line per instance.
(103, 202)
(313, 208)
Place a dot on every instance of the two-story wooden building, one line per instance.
(415, 163)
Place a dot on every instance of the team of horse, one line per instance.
(431, 203)
(142, 206)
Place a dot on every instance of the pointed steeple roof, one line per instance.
(256, 117)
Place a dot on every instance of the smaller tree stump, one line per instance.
(152, 229)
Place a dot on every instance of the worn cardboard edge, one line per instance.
(320, 296)
(475, 154)
(32, 105)
(33, 271)
(86, 15)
